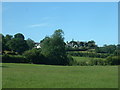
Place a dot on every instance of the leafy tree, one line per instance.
(2, 43)
(30, 43)
(81, 44)
(19, 35)
(8, 37)
(91, 44)
(18, 45)
(54, 48)
(106, 49)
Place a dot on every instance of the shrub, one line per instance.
(34, 56)
(13, 59)
(113, 60)
(88, 54)
(82, 63)
(71, 61)
(95, 61)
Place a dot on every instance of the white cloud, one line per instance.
(39, 25)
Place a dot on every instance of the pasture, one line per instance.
(50, 76)
(80, 59)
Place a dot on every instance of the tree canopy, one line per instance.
(19, 35)
(54, 48)
(18, 45)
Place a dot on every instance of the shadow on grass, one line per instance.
(4, 67)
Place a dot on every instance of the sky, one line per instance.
(81, 21)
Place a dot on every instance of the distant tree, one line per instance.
(19, 35)
(118, 46)
(7, 39)
(18, 45)
(85, 44)
(106, 49)
(30, 43)
(2, 43)
(91, 44)
(81, 44)
(54, 48)
(117, 51)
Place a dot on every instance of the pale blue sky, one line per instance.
(80, 21)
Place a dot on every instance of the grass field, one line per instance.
(84, 58)
(47, 76)
(79, 59)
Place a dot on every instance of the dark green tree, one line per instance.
(91, 44)
(2, 43)
(54, 48)
(30, 43)
(7, 39)
(106, 49)
(81, 44)
(19, 35)
(18, 44)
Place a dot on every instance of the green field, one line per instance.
(79, 59)
(48, 76)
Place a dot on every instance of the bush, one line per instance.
(13, 59)
(71, 61)
(96, 62)
(113, 60)
(88, 54)
(90, 62)
(82, 63)
(34, 56)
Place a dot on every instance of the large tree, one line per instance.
(54, 48)
(18, 44)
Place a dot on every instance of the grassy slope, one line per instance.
(46, 76)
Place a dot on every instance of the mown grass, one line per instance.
(47, 76)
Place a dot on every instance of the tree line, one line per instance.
(16, 43)
(54, 50)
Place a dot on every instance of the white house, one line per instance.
(37, 45)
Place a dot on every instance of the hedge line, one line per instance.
(110, 60)
(88, 54)
(13, 59)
